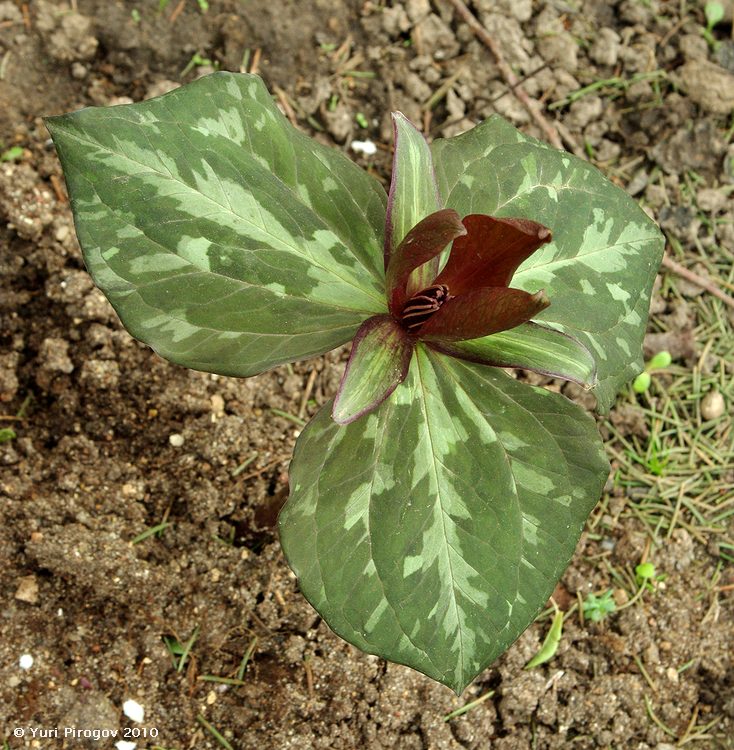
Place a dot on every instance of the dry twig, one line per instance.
(177, 11)
(286, 105)
(699, 281)
(307, 393)
(507, 73)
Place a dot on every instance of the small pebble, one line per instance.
(125, 745)
(78, 71)
(176, 440)
(133, 710)
(27, 590)
(712, 405)
(364, 147)
(25, 661)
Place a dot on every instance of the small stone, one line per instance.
(211, 698)
(638, 183)
(8, 377)
(522, 10)
(417, 10)
(416, 88)
(25, 661)
(639, 92)
(712, 405)
(368, 148)
(27, 590)
(711, 200)
(395, 21)
(605, 49)
(160, 87)
(560, 50)
(54, 355)
(708, 85)
(694, 47)
(176, 439)
(103, 374)
(217, 403)
(78, 71)
(133, 710)
(584, 111)
(339, 122)
(9, 12)
(437, 38)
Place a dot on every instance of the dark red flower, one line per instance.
(471, 296)
(468, 299)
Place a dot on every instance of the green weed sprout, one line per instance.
(596, 608)
(714, 13)
(659, 362)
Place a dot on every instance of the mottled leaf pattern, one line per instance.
(599, 269)
(225, 238)
(431, 526)
(433, 530)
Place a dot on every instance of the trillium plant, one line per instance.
(437, 499)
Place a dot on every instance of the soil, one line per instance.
(110, 440)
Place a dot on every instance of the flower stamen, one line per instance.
(423, 305)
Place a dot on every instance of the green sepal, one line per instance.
(530, 346)
(413, 194)
(378, 363)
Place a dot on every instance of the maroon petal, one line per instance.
(424, 242)
(490, 252)
(481, 312)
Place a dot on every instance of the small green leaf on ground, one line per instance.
(7, 434)
(550, 644)
(12, 154)
(597, 608)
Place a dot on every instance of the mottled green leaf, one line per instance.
(413, 193)
(599, 269)
(532, 347)
(432, 531)
(225, 238)
(378, 363)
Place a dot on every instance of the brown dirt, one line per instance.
(113, 440)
